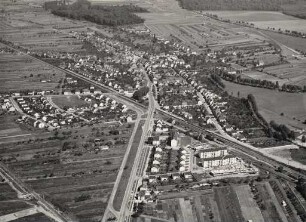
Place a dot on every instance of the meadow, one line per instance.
(290, 41)
(264, 19)
(19, 72)
(282, 107)
(68, 101)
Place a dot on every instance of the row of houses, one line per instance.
(44, 113)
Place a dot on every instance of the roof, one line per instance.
(219, 158)
(213, 149)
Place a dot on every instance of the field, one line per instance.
(263, 76)
(294, 73)
(19, 72)
(271, 104)
(249, 208)
(290, 41)
(37, 30)
(68, 101)
(9, 128)
(9, 201)
(167, 20)
(299, 155)
(267, 202)
(71, 168)
(34, 218)
(264, 19)
(226, 203)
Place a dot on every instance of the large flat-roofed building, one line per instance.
(213, 152)
(219, 161)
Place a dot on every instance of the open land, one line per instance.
(271, 104)
(290, 41)
(230, 203)
(264, 19)
(168, 20)
(76, 169)
(34, 218)
(299, 155)
(19, 73)
(75, 174)
(68, 101)
(9, 201)
(41, 34)
(9, 128)
(249, 208)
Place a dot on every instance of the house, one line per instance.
(12, 109)
(129, 119)
(154, 169)
(228, 128)
(36, 115)
(176, 176)
(209, 121)
(156, 162)
(39, 124)
(164, 178)
(174, 143)
(182, 169)
(157, 156)
(67, 92)
(86, 91)
(152, 179)
(156, 141)
(188, 176)
(97, 91)
(104, 147)
(158, 149)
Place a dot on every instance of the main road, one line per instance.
(252, 152)
(134, 180)
(225, 138)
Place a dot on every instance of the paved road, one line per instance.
(242, 147)
(139, 162)
(110, 208)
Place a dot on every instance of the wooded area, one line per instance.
(297, 10)
(100, 14)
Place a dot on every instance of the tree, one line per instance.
(303, 139)
(139, 94)
(280, 169)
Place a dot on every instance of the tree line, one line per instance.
(100, 14)
(262, 83)
(254, 107)
(301, 186)
(270, 5)
(278, 131)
